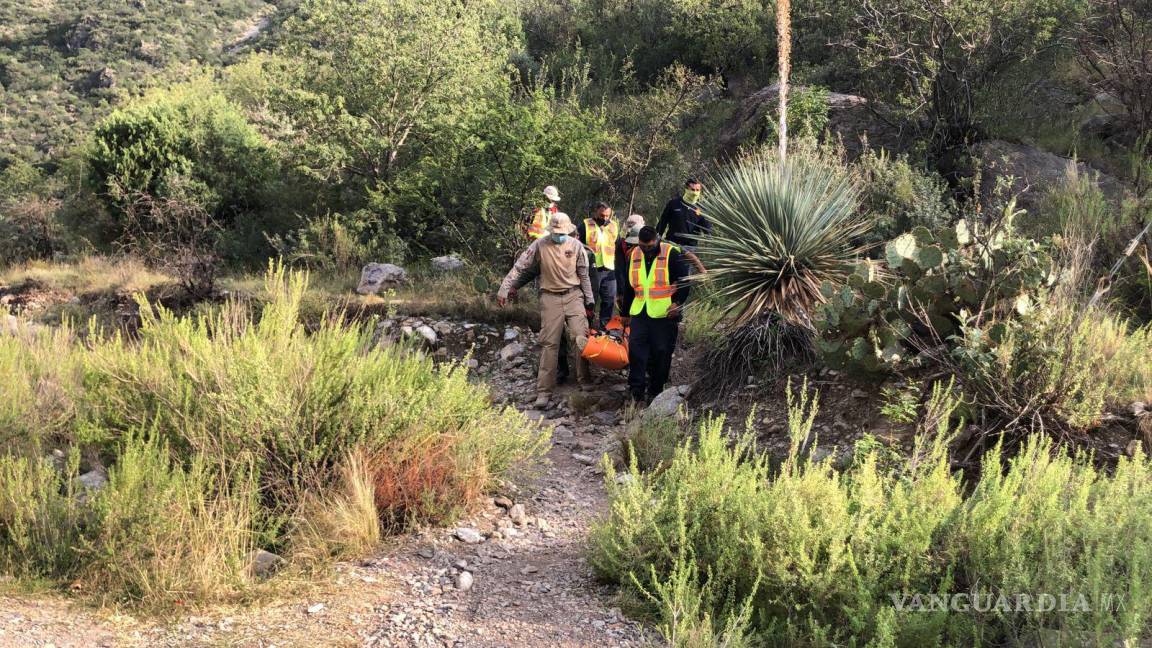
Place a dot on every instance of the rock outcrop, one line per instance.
(1032, 172)
(851, 118)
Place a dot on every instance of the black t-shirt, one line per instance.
(681, 222)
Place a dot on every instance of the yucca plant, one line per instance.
(779, 231)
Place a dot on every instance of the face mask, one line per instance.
(691, 196)
(559, 238)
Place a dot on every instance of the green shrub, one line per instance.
(898, 198)
(189, 144)
(806, 555)
(229, 430)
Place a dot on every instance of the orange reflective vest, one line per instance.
(602, 240)
(653, 289)
(538, 228)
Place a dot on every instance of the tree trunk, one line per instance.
(784, 48)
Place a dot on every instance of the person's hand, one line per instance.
(501, 300)
(588, 309)
(674, 311)
(512, 295)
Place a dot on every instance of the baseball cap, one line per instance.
(552, 193)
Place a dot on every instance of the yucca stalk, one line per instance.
(779, 231)
(784, 62)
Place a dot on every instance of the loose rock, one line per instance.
(449, 263)
(469, 536)
(518, 515)
(375, 276)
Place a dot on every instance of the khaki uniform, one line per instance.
(564, 289)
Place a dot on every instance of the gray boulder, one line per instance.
(450, 263)
(851, 119)
(1034, 172)
(375, 276)
(668, 403)
(93, 480)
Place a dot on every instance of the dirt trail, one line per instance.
(531, 584)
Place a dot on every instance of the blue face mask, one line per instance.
(559, 238)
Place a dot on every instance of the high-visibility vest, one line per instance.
(602, 240)
(538, 228)
(652, 286)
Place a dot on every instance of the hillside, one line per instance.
(65, 64)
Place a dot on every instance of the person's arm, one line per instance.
(695, 262)
(523, 263)
(582, 232)
(526, 277)
(582, 274)
(678, 275)
(624, 287)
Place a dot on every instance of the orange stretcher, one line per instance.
(608, 348)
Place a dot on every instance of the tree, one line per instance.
(648, 123)
(1115, 48)
(934, 58)
(366, 79)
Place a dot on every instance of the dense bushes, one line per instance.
(188, 144)
(722, 547)
(227, 432)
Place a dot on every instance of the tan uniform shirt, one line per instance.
(563, 266)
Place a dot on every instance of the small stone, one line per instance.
(1133, 447)
(472, 363)
(529, 569)
(511, 334)
(543, 525)
(517, 515)
(503, 502)
(511, 351)
(468, 536)
(460, 564)
(316, 608)
(263, 564)
(449, 263)
(426, 552)
(93, 480)
(428, 334)
(584, 459)
(464, 581)
(859, 393)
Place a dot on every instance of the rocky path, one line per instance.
(512, 574)
(515, 574)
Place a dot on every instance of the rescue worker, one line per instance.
(538, 226)
(653, 298)
(565, 298)
(600, 234)
(681, 222)
(563, 356)
(628, 240)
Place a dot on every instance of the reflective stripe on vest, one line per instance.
(538, 228)
(652, 287)
(602, 240)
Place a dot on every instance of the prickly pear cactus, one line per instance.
(924, 282)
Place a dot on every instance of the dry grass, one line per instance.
(93, 274)
(341, 521)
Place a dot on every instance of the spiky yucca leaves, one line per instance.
(779, 230)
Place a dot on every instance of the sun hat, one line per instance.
(552, 193)
(561, 224)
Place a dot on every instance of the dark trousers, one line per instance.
(650, 347)
(604, 287)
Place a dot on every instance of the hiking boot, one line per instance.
(542, 400)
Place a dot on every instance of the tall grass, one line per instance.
(232, 430)
(719, 543)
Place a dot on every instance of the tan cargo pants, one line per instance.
(560, 311)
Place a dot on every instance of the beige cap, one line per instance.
(561, 224)
(634, 221)
(552, 193)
